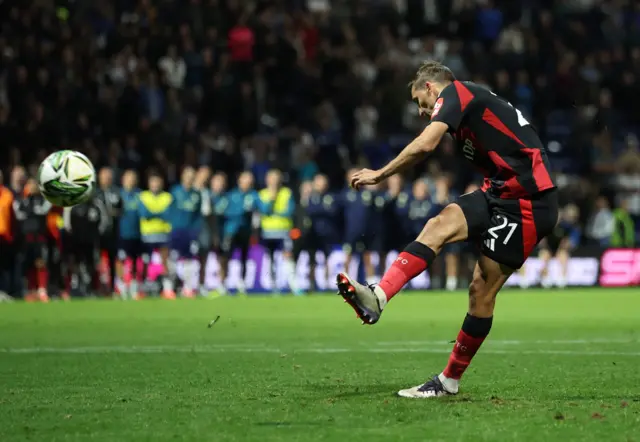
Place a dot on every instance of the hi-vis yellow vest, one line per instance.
(275, 222)
(153, 226)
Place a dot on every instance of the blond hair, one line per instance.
(432, 71)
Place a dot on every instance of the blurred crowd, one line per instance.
(320, 86)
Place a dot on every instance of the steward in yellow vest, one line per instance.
(276, 222)
(155, 205)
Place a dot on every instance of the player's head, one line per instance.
(571, 214)
(105, 177)
(129, 179)
(202, 177)
(18, 178)
(420, 189)
(395, 183)
(218, 182)
(155, 182)
(274, 179)
(31, 186)
(245, 181)
(602, 203)
(429, 81)
(320, 183)
(187, 177)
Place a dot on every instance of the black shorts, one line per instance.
(129, 249)
(34, 251)
(507, 230)
(81, 252)
(312, 243)
(240, 240)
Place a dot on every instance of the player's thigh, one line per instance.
(464, 219)
(489, 277)
(517, 226)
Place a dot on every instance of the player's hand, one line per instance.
(365, 177)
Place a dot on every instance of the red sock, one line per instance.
(414, 260)
(42, 277)
(474, 332)
(463, 351)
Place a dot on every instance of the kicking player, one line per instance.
(129, 246)
(516, 207)
(186, 222)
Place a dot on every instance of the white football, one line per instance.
(67, 178)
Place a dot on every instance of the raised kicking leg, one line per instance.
(368, 301)
(488, 278)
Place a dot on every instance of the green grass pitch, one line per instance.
(558, 366)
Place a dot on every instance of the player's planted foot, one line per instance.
(432, 388)
(361, 298)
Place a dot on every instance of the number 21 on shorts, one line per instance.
(496, 230)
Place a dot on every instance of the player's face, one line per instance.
(188, 175)
(218, 183)
(129, 180)
(425, 98)
(420, 190)
(273, 180)
(105, 178)
(320, 183)
(31, 187)
(155, 184)
(245, 181)
(202, 176)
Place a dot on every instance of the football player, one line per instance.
(516, 207)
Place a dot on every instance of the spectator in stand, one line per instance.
(624, 233)
(601, 226)
(173, 68)
(559, 245)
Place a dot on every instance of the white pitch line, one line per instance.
(516, 342)
(321, 350)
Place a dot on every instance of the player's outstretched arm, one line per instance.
(426, 142)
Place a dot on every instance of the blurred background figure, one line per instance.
(237, 208)
(31, 210)
(129, 245)
(200, 184)
(6, 239)
(217, 190)
(84, 225)
(320, 230)
(186, 214)
(601, 226)
(559, 245)
(155, 230)
(624, 227)
(441, 198)
(110, 197)
(276, 223)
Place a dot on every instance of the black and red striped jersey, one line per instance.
(496, 138)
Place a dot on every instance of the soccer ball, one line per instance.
(66, 178)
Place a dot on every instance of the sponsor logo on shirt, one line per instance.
(437, 107)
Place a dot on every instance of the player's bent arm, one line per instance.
(424, 143)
